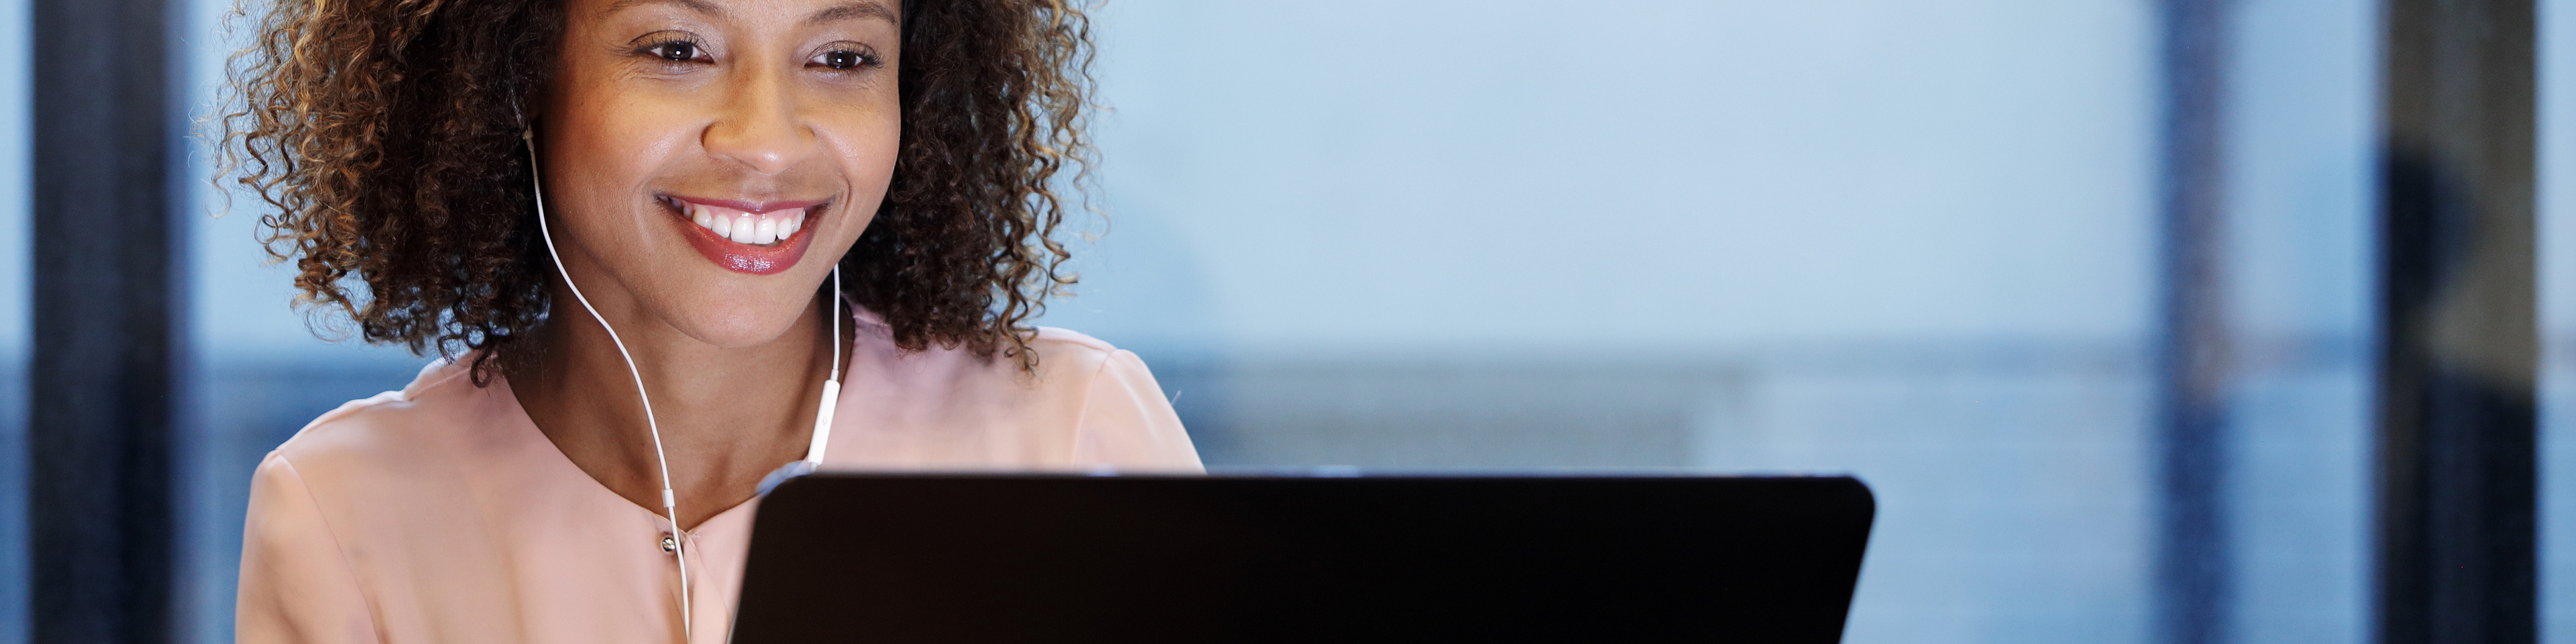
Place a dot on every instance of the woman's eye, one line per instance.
(678, 51)
(841, 59)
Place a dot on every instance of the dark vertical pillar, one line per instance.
(101, 378)
(2194, 594)
(2458, 351)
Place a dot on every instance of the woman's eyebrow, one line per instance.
(855, 10)
(703, 7)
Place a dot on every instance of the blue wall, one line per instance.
(14, 321)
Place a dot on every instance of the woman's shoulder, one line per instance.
(1065, 358)
(1127, 421)
(1088, 403)
(430, 415)
(1073, 351)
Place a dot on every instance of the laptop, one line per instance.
(1149, 559)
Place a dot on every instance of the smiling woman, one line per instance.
(629, 228)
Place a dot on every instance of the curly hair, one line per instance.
(377, 134)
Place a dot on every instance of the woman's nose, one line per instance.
(759, 128)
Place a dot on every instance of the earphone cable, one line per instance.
(820, 441)
(670, 502)
(837, 357)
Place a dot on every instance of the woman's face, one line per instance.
(713, 158)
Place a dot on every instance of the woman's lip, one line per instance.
(745, 258)
(754, 207)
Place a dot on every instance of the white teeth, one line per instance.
(746, 228)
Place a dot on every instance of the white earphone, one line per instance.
(822, 434)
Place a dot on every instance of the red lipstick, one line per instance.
(760, 238)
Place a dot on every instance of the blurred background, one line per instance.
(1912, 241)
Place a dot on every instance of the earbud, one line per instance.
(831, 386)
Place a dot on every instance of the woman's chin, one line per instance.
(732, 338)
(738, 327)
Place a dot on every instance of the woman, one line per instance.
(653, 237)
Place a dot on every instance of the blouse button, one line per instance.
(669, 545)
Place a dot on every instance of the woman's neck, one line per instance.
(728, 416)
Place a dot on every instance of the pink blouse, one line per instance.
(439, 513)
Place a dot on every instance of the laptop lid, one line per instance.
(1003, 558)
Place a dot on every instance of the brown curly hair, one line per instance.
(383, 137)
